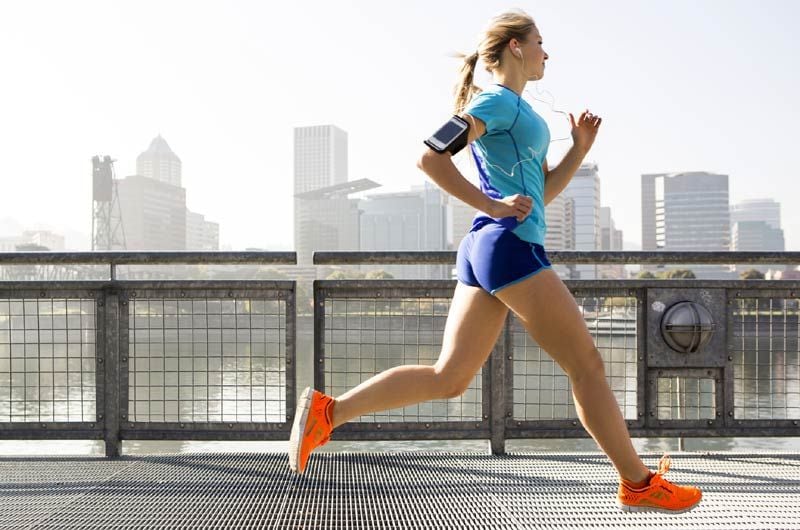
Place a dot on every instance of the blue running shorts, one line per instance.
(493, 257)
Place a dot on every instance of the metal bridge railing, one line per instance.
(744, 382)
(154, 360)
(216, 360)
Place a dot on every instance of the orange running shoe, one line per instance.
(660, 495)
(312, 427)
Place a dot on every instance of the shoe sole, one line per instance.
(298, 428)
(626, 508)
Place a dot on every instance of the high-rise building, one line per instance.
(44, 238)
(329, 219)
(409, 220)
(558, 230)
(159, 163)
(153, 214)
(757, 235)
(610, 237)
(756, 225)
(10, 243)
(584, 192)
(767, 210)
(153, 206)
(687, 212)
(320, 161)
(611, 240)
(560, 234)
(201, 234)
(569, 223)
(459, 219)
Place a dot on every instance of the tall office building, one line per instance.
(44, 238)
(10, 243)
(320, 161)
(767, 210)
(33, 238)
(558, 229)
(159, 163)
(687, 212)
(756, 225)
(584, 193)
(560, 234)
(610, 237)
(200, 233)
(459, 219)
(153, 206)
(757, 236)
(329, 219)
(153, 214)
(611, 240)
(409, 220)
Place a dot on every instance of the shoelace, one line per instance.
(663, 464)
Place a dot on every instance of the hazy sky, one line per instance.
(682, 86)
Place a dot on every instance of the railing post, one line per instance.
(319, 338)
(111, 320)
(500, 405)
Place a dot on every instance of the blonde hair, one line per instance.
(514, 24)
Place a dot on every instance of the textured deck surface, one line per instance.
(385, 490)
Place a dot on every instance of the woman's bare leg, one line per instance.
(550, 314)
(473, 325)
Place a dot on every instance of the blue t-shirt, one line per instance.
(509, 157)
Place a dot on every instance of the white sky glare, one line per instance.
(681, 85)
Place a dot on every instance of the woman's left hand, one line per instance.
(585, 130)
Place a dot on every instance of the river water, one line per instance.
(759, 379)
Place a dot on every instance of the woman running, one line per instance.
(502, 265)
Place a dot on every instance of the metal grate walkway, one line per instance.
(385, 490)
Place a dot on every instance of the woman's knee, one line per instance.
(450, 383)
(590, 368)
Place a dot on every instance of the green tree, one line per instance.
(379, 275)
(342, 274)
(337, 275)
(646, 275)
(751, 274)
(677, 274)
(267, 273)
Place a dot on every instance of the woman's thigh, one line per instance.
(473, 325)
(552, 317)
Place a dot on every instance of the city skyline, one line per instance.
(750, 209)
(672, 101)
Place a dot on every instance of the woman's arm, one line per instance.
(556, 180)
(440, 168)
(584, 132)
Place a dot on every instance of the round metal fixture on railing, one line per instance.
(687, 326)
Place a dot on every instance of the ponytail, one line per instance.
(465, 88)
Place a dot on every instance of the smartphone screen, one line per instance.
(449, 131)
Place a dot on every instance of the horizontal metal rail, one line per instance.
(562, 256)
(114, 259)
(147, 258)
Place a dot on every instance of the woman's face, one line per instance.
(534, 55)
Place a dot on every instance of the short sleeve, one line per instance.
(492, 109)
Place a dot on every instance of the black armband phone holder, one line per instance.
(451, 137)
